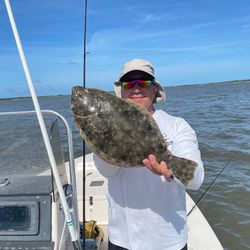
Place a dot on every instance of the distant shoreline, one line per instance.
(172, 86)
(210, 83)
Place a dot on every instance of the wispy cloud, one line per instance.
(186, 40)
(197, 72)
(245, 28)
(73, 61)
(135, 39)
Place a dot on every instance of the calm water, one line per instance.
(220, 115)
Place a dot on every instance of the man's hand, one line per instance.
(159, 168)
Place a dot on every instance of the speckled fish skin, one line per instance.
(123, 133)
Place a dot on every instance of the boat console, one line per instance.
(31, 215)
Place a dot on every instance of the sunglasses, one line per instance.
(141, 83)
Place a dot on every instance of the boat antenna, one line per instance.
(72, 228)
(83, 142)
(212, 183)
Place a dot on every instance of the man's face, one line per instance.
(139, 95)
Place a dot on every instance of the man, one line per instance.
(147, 205)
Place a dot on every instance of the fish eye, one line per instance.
(79, 94)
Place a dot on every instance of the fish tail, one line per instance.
(183, 169)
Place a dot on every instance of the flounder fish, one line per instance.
(123, 133)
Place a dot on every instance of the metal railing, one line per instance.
(70, 151)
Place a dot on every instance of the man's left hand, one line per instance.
(158, 168)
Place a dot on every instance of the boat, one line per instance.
(31, 213)
(200, 234)
(34, 205)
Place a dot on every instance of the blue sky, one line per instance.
(188, 42)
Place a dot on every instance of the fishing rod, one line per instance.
(72, 228)
(84, 42)
(83, 142)
(212, 183)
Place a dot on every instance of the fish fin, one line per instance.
(183, 169)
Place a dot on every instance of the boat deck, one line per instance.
(200, 235)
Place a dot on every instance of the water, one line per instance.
(220, 115)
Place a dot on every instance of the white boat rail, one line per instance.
(70, 151)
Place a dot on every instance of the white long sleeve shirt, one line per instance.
(145, 211)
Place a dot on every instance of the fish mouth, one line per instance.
(77, 100)
(81, 115)
(78, 92)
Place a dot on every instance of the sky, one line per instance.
(187, 41)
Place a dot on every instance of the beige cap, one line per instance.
(141, 65)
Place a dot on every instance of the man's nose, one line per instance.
(136, 87)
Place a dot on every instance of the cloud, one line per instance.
(245, 28)
(131, 39)
(212, 71)
(185, 40)
(73, 62)
(150, 18)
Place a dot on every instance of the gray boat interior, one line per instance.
(27, 188)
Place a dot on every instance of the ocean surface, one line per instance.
(220, 115)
